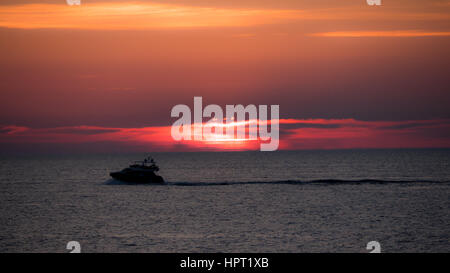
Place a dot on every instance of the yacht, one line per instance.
(140, 172)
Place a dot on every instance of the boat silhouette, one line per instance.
(140, 172)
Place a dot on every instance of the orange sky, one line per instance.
(138, 15)
(125, 64)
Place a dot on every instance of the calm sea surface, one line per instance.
(303, 201)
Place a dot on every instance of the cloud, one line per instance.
(11, 130)
(138, 15)
(390, 33)
(369, 134)
(294, 134)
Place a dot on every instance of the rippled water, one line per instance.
(307, 201)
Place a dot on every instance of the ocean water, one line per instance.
(286, 201)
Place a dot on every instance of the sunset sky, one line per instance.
(104, 76)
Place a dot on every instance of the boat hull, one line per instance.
(138, 178)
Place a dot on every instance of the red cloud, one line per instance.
(294, 134)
